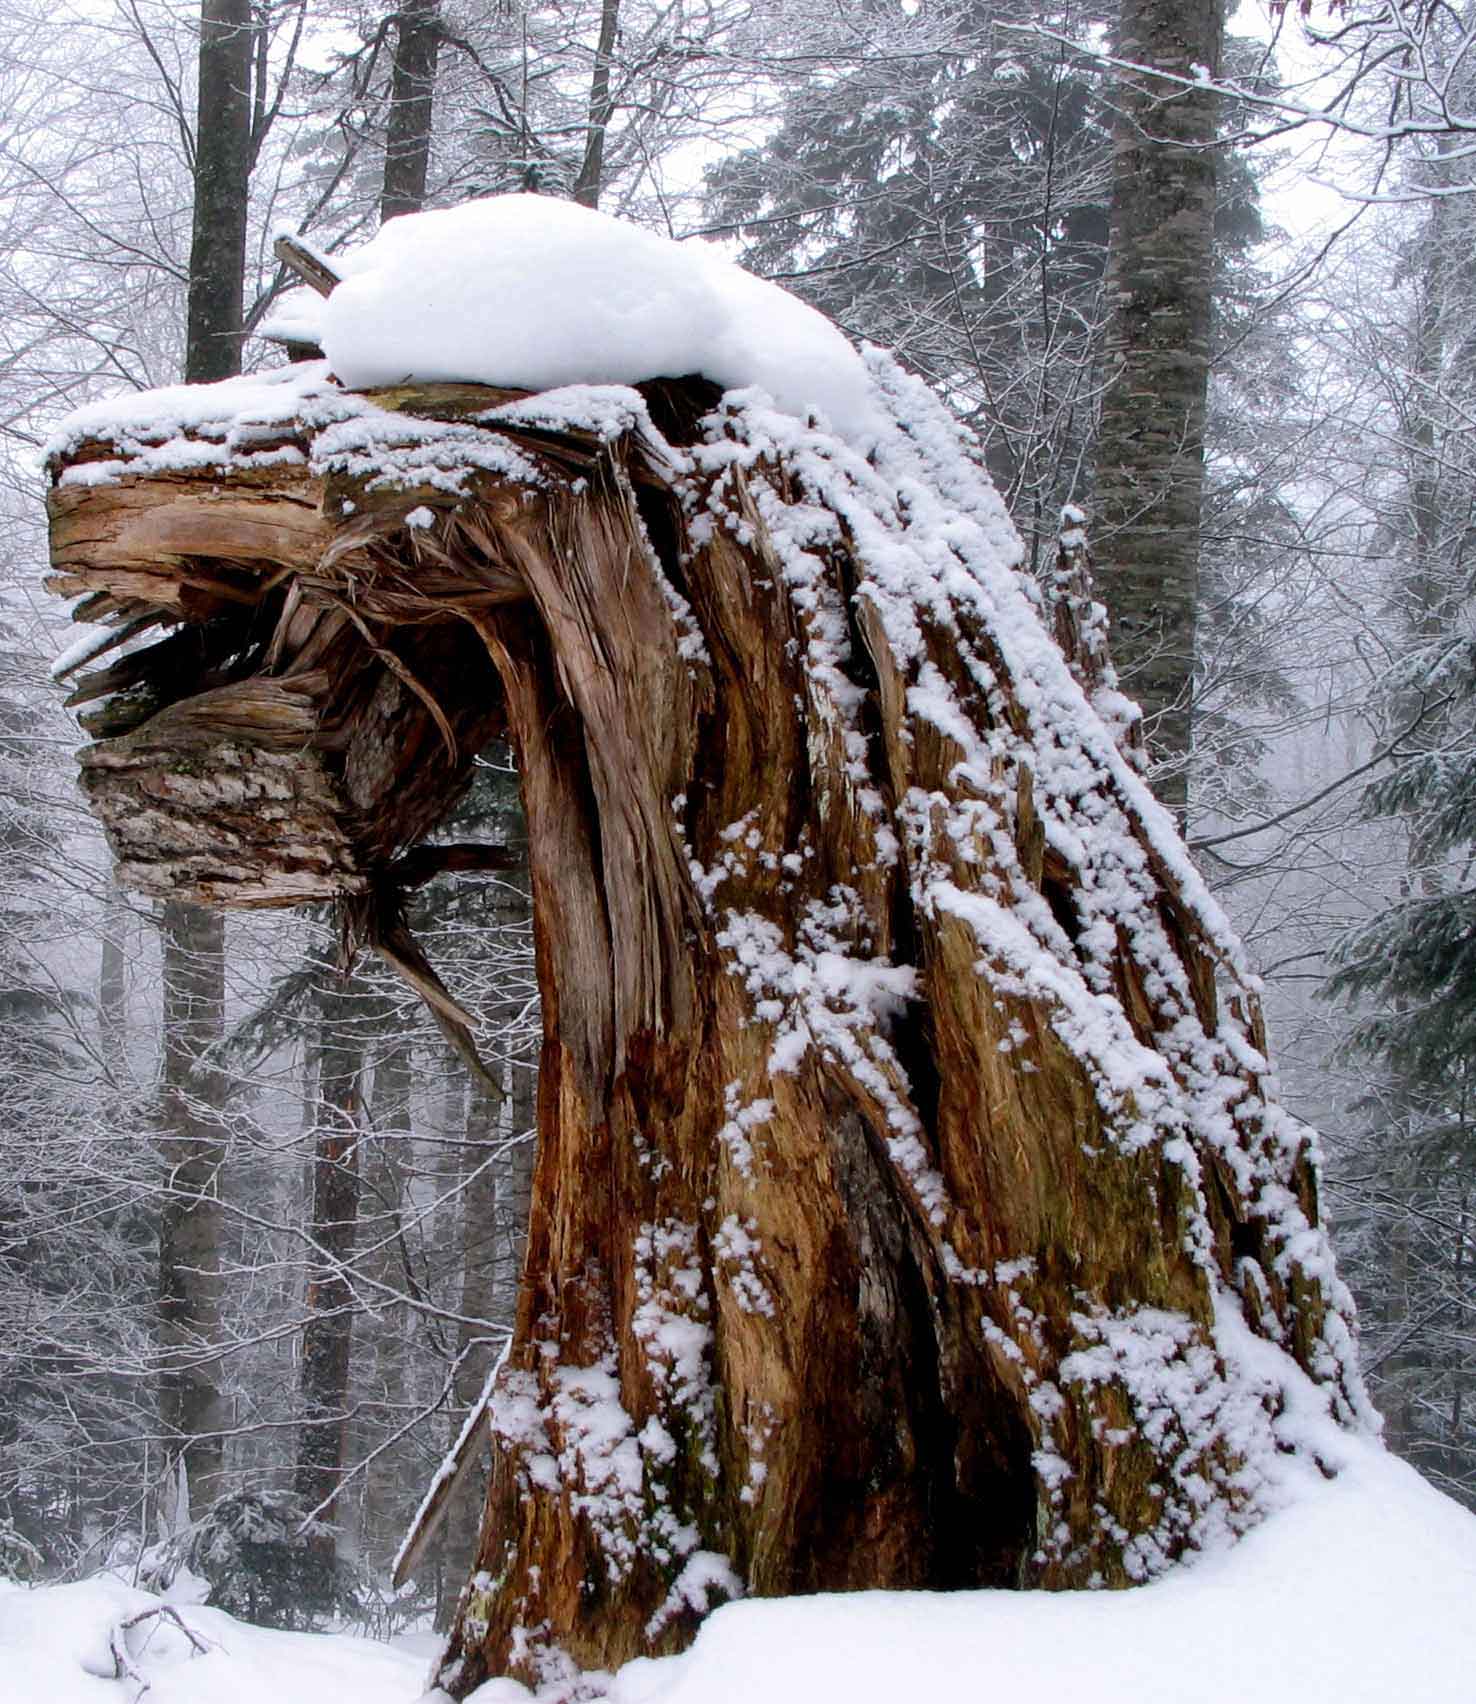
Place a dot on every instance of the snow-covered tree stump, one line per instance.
(913, 1207)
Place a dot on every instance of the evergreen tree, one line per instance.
(1418, 957)
(1410, 967)
(947, 199)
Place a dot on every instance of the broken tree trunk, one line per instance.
(912, 1207)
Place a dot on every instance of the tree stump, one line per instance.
(912, 1205)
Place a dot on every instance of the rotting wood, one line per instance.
(819, 1262)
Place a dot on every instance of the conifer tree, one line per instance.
(946, 197)
(1409, 969)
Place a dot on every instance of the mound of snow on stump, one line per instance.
(527, 291)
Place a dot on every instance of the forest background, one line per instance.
(259, 1226)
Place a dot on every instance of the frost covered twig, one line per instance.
(124, 1666)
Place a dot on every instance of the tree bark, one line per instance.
(591, 178)
(478, 1306)
(192, 1148)
(222, 179)
(330, 1302)
(910, 1180)
(384, 1363)
(193, 942)
(407, 144)
(1149, 462)
(112, 997)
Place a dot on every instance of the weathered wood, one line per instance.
(212, 800)
(905, 1130)
(311, 268)
(141, 541)
(362, 696)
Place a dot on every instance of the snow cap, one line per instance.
(532, 292)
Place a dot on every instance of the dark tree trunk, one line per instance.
(407, 142)
(193, 941)
(591, 178)
(1149, 464)
(191, 1231)
(328, 1333)
(222, 181)
(910, 1184)
(112, 997)
(383, 1359)
(482, 1171)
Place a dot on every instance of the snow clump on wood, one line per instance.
(530, 291)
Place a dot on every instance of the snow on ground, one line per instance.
(1360, 1592)
(55, 1649)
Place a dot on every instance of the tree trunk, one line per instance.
(478, 1306)
(191, 1229)
(328, 1333)
(910, 1184)
(193, 941)
(222, 180)
(1149, 463)
(407, 143)
(591, 178)
(384, 1364)
(807, 1259)
(112, 997)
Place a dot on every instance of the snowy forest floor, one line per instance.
(1359, 1591)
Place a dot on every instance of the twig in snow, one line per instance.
(124, 1667)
